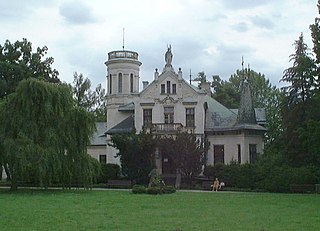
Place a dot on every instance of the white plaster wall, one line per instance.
(230, 143)
(96, 151)
(126, 68)
(111, 153)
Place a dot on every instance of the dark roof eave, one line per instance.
(254, 127)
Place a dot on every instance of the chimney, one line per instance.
(145, 84)
(206, 86)
(156, 74)
(179, 73)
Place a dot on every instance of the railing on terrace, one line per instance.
(163, 128)
(123, 54)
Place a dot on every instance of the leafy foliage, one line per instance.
(298, 106)
(109, 172)
(139, 189)
(300, 75)
(41, 136)
(186, 151)
(136, 152)
(266, 176)
(18, 62)
(92, 101)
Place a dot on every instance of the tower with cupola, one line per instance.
(122, 81)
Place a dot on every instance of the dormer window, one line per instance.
(174, 88)
(168, 87)
(163, 88)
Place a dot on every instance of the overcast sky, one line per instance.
(205, 35)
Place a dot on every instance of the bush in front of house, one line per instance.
(262, 177)
(109, 172)
(139, 189)
(153, 190)
(166, 189)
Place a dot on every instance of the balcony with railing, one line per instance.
(123, 55)
(167, 128)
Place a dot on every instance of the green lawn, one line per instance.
(122, 210)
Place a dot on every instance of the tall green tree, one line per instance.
(187, 153)
(44, 136)
(18, 62)
(301, 75)
(298, 102)
(315, 35)
(85, 97)
(136, 152)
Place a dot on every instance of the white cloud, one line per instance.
(205, 35)
(77, 12)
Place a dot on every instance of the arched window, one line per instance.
(120, 83)
(110, 84)
(131, 82)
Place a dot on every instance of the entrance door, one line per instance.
(168, 166)
(218, 151)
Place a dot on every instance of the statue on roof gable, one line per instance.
(168, 57)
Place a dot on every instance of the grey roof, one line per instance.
(98, 138)
(125, 126)
(127, 107)
(260, 114)
(218, 116)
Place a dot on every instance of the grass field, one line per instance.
(122, 210)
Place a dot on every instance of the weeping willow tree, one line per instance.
(44, 136)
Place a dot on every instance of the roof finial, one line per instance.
(242, 64)
(122, 38)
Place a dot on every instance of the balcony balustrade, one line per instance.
(164, 128)
(123, 54)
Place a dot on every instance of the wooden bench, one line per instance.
(119, 184)
(302, 188)
(206, 185)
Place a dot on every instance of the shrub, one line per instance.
(154, 190)
(169, 189)
(160, 190)
(266, 176)
(138, 189)
(109, 172)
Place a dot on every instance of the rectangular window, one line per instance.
(120, 83)
(103, 159)
(163, 88)
(131, 82)
(218, 152)
(174, 88)
(168, 115)
(168, 87)
(239, 154)
(110, 84)
(190, 117)
(253, 153)
(147, 117)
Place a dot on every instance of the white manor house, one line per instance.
(170, 104)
